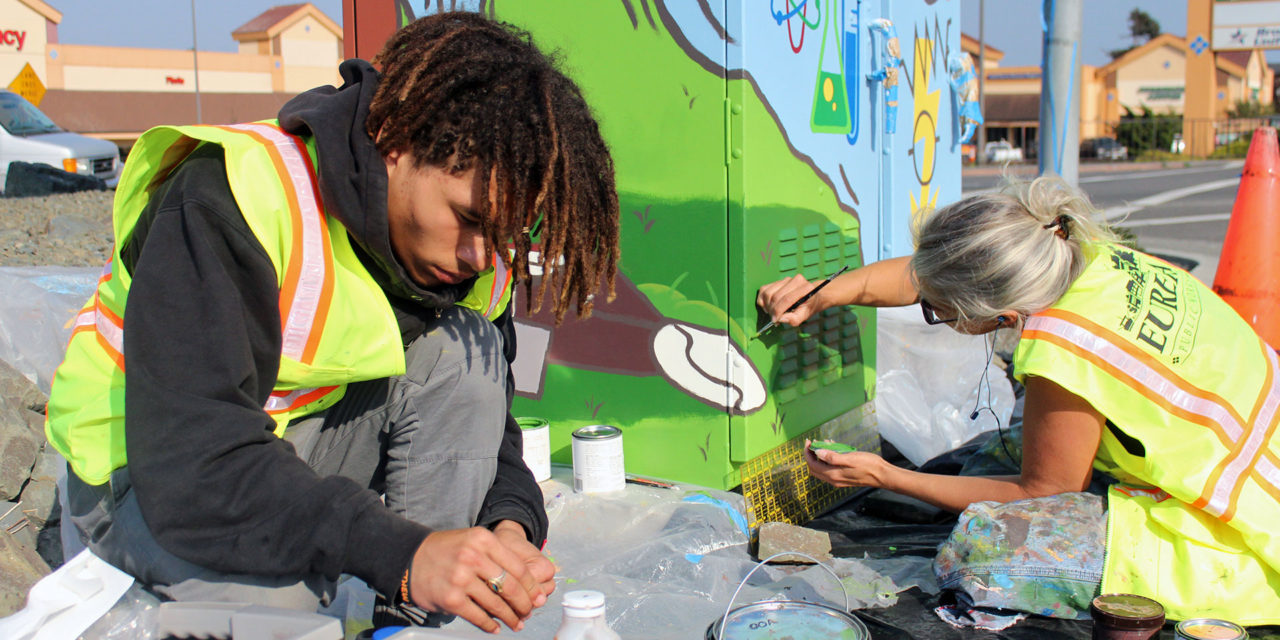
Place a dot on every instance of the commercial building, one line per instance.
(1152, 75)
(118, 92)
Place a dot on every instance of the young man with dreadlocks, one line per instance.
(318, 313)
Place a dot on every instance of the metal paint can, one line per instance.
(598, 465)
(1209, 629)
(537, 446)
(787, 619)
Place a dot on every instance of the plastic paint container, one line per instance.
(1125, 616)
(598, 465)
(787, 619)
(537, 446)
(1209, 629)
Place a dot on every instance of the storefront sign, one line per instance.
(1162, 93)
(1246, 37)
(1246, 25)
(11, 37)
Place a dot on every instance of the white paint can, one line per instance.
(598, 459)
(537, 446)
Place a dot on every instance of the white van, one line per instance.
(28, 135)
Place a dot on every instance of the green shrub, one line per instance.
(1158, 155)
(1237, 148)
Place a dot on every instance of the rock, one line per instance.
(17, 387)
(20, 568)
(40, 497)
(40, 501)
(19, 448)
(780, 537)
(14, 521)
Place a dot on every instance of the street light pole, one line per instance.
(982, 82)
(195, 61)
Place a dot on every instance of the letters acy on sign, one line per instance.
(11, 37)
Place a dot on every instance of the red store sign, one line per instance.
(11, 37)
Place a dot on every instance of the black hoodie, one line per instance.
(202, 343)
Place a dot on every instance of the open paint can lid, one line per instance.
(787, 619)
(1209, 629)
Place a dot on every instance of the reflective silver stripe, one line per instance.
(279, 401)
(1139, 371)
(1255, 435)
(310, 286)
(500, 275)
(1268, 471)
(112, 333)
(1238, 468)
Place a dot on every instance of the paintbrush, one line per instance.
(796, 305)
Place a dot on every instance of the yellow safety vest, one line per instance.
(337, 326)
(1195, 522)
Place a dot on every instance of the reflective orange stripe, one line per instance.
(1155, 494)
(108, 327)
(307, 286)
(308, 283)
(1156, 382)
(284, 401)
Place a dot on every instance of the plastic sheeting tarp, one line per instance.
(929, 381)
(40, 304)
(669, 560)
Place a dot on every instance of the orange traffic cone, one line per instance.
(1248, 276)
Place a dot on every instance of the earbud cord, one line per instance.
(991, 351)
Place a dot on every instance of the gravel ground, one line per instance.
(66, 229)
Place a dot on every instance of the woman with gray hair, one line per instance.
(1132, 367)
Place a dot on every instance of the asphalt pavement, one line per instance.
(1178, 210)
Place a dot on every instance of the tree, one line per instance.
(1146, 130)
(1142, 25)
(1142, 28)
(1250, 109)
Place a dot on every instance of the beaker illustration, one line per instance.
(830, 98)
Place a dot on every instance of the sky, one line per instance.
(165, 24)
(1012, 26)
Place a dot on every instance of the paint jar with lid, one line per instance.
(1209, 629)
(1125, 616)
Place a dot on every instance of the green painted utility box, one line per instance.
(752, 141)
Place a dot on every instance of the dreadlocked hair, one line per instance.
(461, 91)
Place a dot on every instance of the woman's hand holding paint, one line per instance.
(853, 469)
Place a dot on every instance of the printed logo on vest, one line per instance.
(1163, 308)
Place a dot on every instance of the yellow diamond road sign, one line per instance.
(28, 85)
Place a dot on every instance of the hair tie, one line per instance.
(1061, 223)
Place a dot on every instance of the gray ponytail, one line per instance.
(1018, 249)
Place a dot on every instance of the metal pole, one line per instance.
(1060, 91)
(982, 82)
(195, 61)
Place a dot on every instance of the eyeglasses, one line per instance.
(931, 314)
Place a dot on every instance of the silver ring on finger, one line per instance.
(495, 583)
